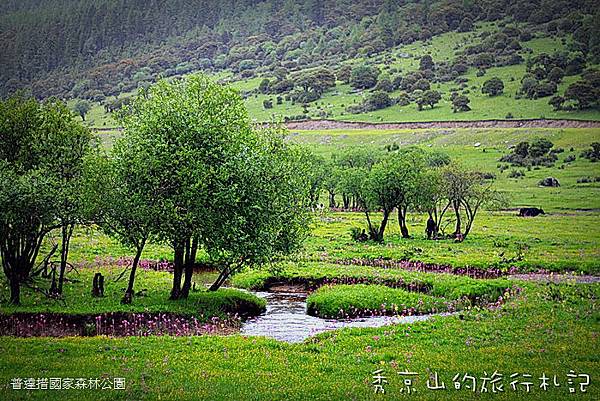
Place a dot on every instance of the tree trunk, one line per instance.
(402, 222)
(98, 285)
(190, 260)
(15, 290)
(66, 232)
(372, 231)
(178, 251)
(383, 225)
(220, 280)
(128, 296)
(332, 200)
(456, 206)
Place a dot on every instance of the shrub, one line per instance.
(592, 154)
(516, 174)
(493, 87)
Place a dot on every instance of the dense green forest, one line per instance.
(96, 49)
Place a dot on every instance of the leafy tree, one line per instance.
(593, 153)
(528, 86)
(460, 68)
(265, 215)
(378, 100)
(377, 193)
(332, 183)
(185, 126)
(540, 147)
(82, 107)
(522, 149)
(544, 89)
(557, 102)
(264, 86)
(461, 103)
(364, 76)
(239, 193)
(315, 174)
(426, 63)
(431, 197)
(41, 151)
(583, 94)
(407, 166)
(68, 144)
(384, 84)
(556, 74)
(422, 84)
(344, 73)
(467, 191)
(493, 87)
(531, 154)
(466, 25)
(126, 205)
(429, 98)
(354, 164)
(483, 60)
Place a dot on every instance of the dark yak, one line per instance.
(530, 212)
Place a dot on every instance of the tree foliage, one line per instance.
(238, 192)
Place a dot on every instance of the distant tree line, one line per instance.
(93, 50)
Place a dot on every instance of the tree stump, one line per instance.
(98, 285)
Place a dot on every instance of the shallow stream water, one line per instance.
(286, 320)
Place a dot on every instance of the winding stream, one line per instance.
(286, 320)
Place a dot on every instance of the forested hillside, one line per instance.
(285, 56)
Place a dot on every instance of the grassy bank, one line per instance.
(541, 331)
(152, 289)
(345, 301)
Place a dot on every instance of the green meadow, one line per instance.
(499, 325)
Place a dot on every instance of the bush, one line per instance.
(592, 154)
(493, 87)
(364, 76)
(538, 153)
(516, 174)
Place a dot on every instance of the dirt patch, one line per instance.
(532, 123)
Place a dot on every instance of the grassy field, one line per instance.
(566, 238)
(541, 331)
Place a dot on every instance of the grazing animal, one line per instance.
(530, 212)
